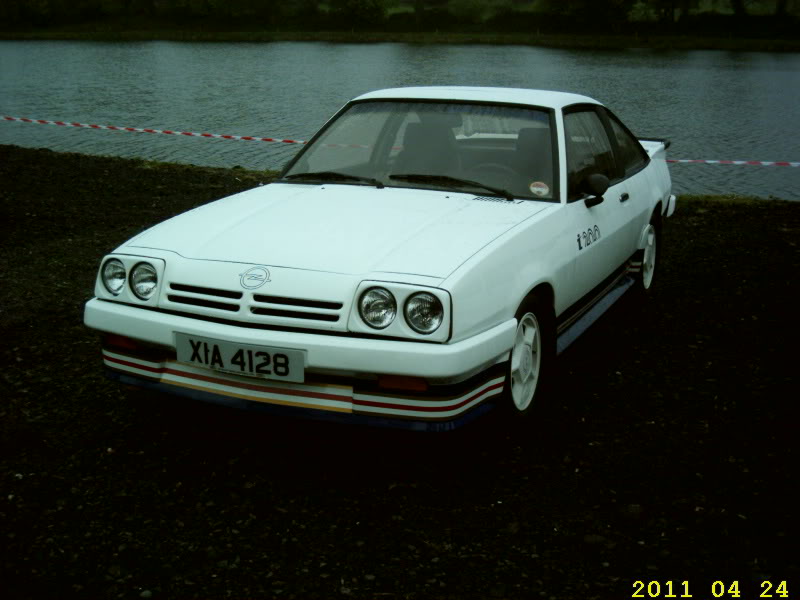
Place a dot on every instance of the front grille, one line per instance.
(262, 306)
(194, 289)
(297, 302)
(203, 302)
(274, 306)
(205, 297)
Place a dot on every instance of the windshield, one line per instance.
(478, 148)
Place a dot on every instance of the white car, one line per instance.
(423, 258)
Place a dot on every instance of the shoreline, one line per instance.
(576, 41)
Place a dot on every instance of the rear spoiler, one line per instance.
(664, 141)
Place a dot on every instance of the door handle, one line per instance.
(625, 197)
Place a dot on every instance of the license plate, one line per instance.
(242, 359)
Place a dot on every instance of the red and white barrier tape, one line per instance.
(762, 163)
(758, 163)
(147, 130)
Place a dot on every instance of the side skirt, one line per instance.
(595, 306)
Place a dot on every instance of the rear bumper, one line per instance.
(441, 408)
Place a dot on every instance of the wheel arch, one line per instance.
(658, 210)
(536, 311)
(543, 291)
(655, 219)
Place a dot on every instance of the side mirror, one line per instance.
(595, 185)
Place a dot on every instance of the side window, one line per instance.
(588, 149)
(631, 154)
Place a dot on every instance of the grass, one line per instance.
(572, 41)
(668, 450)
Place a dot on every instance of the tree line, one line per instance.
(596, 16)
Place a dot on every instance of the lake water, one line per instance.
(711, 104)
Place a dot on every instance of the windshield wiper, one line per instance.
(335, 175)
(451, 181)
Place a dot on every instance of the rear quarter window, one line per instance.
(632, 157)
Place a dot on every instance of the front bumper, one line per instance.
(440, 363)
(342, 373)
(439, 409)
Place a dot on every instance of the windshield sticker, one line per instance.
(539, 189)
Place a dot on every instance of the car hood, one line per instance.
(349, 229)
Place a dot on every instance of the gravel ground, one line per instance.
(668, 450)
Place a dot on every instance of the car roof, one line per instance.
(544, 98)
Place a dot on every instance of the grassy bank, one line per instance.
(569, 41)
(669, 451)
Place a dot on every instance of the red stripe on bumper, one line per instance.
(441, 406)
(449, 407)
(228, 382)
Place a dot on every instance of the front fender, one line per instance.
(488, 289)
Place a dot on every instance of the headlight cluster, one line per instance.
(143, 278)
(423, 311)
(377, 307)
(114, 275)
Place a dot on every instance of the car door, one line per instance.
(600, 230)
(632, 159)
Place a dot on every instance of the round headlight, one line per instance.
(377, 307)
(424, 312)
(144, 280)
(113, 276)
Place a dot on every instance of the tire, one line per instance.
(531, 358)
(650, 254)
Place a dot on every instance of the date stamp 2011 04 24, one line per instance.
(717, 589)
